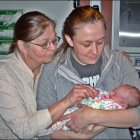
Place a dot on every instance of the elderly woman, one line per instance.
(34, 44)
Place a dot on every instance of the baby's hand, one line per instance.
(104, 96)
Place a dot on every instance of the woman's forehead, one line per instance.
(89, 31)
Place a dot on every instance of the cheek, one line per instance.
(43, 57)
(100, 50)
(117, 99)
(40, 53)
(82, 51)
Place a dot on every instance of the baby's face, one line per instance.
(119, 95)
(115, 97)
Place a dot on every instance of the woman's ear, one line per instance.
(69, 40)
(21, 47)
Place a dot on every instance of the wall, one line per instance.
(58, 10)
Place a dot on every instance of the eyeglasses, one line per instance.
(48, 43)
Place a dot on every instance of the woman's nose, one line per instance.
(94, 48)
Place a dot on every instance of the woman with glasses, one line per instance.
(85, 58)
(34, 44)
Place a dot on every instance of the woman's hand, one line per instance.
(79, 92)
(63, 134)
(93, 130)
(79, 119)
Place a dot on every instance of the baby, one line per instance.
(122, 97)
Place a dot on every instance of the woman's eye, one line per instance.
(45, 44)
(86, 45)
(99, 43)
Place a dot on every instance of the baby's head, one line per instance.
(126, 95)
